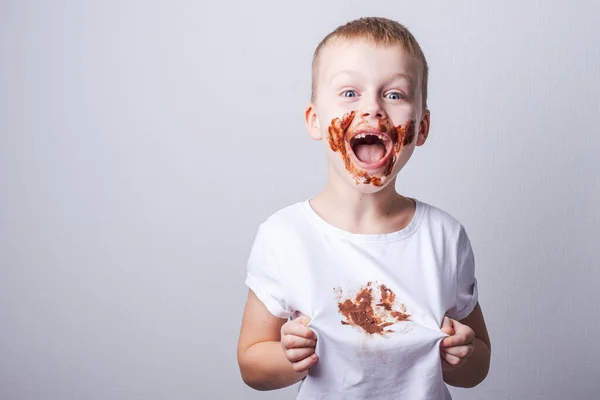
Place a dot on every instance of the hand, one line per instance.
(458, 347)
(298, 343)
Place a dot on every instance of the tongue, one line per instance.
(369, 153)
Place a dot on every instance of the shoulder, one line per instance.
(440, 222)
(284, 221)
(275, 232)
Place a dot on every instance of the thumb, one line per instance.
(447, 326)
(303, 319)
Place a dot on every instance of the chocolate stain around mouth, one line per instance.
(401, 135)
(371, 318)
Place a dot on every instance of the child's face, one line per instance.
(368, 107)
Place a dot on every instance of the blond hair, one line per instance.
(380, 32)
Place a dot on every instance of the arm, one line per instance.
(467, 352)
(261, 357)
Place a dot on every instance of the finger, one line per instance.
(454, 340)
(297, 329)
(463, 336)
(462, 329)
(447, 326)
(303, 319)
(291, 341)
(295, 355)
(462, 352)
(305, 364)
(450, 359)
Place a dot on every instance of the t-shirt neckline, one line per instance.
(366, 237)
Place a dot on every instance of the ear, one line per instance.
(312, 122)
(423, 129)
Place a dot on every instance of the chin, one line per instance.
(367, 183)
(369, 188)
(371, 181)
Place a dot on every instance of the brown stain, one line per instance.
(337, 141)
(401, 136)
(387, 297)
(338, 293)
(407, 133)
(372, 318)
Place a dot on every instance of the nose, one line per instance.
(373, 109)
(376, 114)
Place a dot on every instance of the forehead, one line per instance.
(362, 58)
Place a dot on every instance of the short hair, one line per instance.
(380, 32)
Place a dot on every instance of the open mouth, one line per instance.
(371, 149)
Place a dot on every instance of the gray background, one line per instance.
(143, 142)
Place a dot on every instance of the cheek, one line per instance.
(403, 157)
(326, 120)
(337, 109)
(336, 132)
(404, 114)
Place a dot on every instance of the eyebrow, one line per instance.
(397, 75)
(401, 75)
(346, 71)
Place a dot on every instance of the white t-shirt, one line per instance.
(376, 300)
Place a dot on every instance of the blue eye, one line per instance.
(349, 93)
(394, 96)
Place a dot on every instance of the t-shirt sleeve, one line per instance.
(466, 284)
(264, 276)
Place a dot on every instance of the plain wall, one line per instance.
(142, 142)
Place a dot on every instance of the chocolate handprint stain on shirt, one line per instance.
(373, 317)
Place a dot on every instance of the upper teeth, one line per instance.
(364, 135)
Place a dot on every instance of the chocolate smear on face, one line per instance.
(400, 136)
(372, 318)
(337, 141)
(406, 133)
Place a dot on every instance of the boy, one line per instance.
(360, 292)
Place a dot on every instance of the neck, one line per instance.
(346, 207)
(355, 204)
